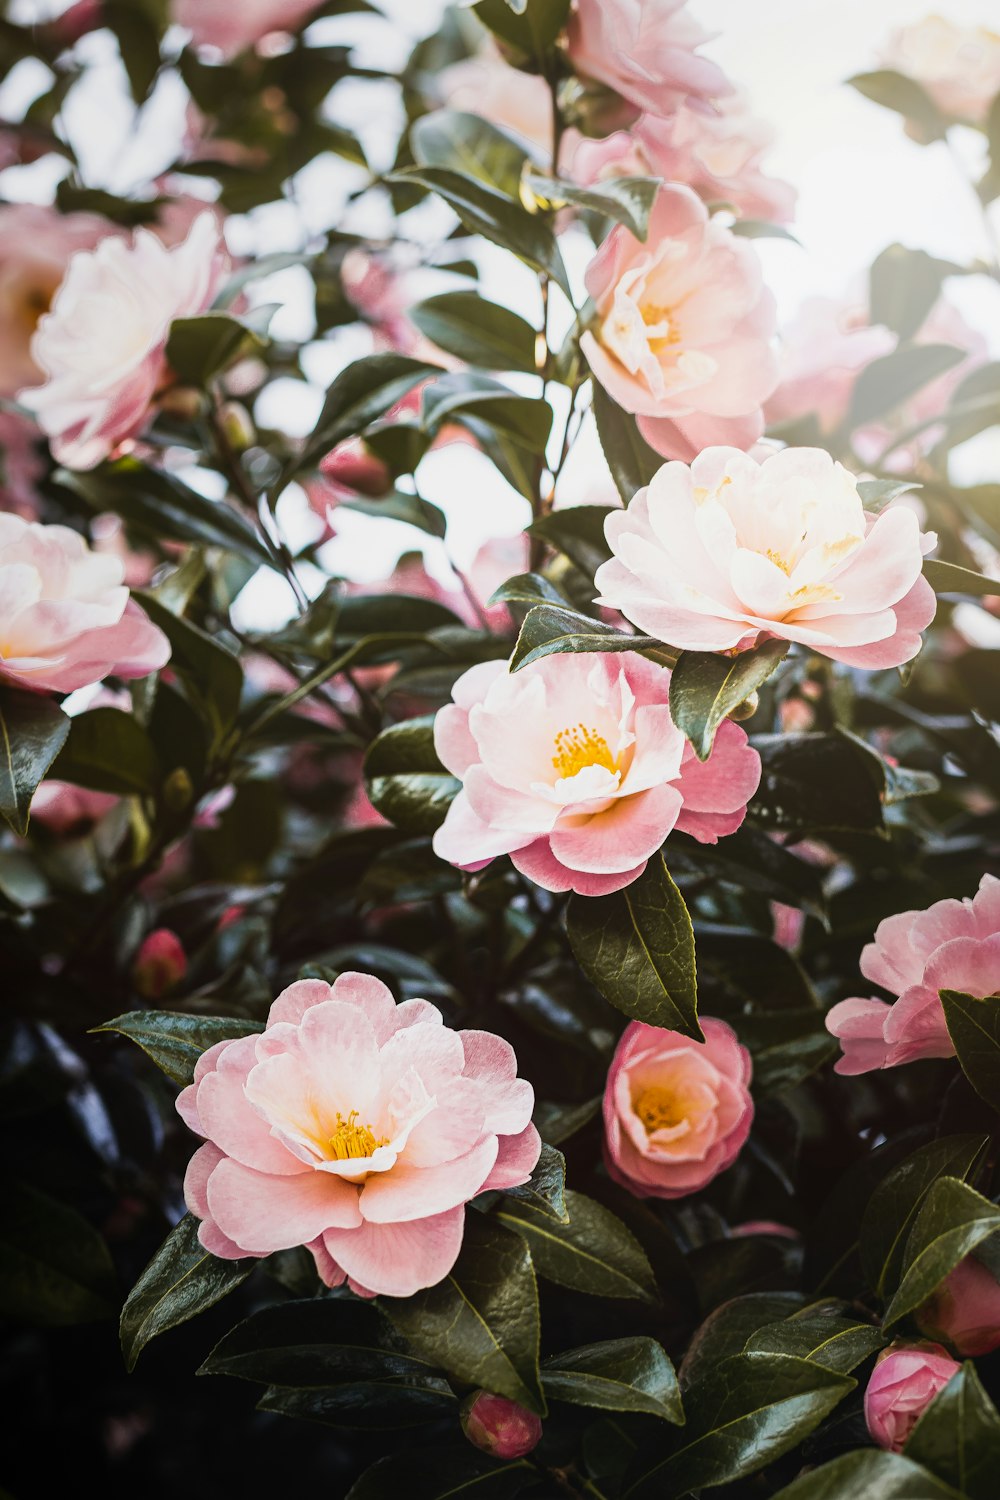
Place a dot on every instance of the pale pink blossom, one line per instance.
(717, 152)
(676, 1112)
(953, 945)
(683, 327)
(378, 292)
(160, 964)
(516, 101)
(358, 1128)
(717, 555)
(574, 767)
(498, 1426)
(21, 465)
(66, 618)
(67, 810)
(36, 244)
(958, 66)
(230, 26)
(965, 1309)
(646, 50)
(904, 1382)
(102, 346)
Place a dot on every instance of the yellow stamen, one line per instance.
(659, 1109)
(779, 561)
(350, 1140)
(577, 747)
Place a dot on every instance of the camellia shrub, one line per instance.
(527, 1025)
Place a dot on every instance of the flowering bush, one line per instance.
(446, 585)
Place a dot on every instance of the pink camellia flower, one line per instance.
(485, 85)
(102, 345)
(230, 26)
(498, 1426)
(953, 945)
(958, 66)
(676, 1112)
(683, 328)
(36, 244)
(21, 465)
(965, 1309)
(66, 618)
(69, 811)
(160, 964)
(714, 556)
(358, 1128)
(646, 50)
(823, 350)
(904, 1382)
(716, 152)
(574, 767)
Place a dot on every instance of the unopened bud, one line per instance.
(181, 401)
(353, 465)
(746, 709)
(498, 1426)
(237, 426)
(160, 964)
(178, 790)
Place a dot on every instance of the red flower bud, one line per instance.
(353, 465)
(498, 1426)
(160, 964)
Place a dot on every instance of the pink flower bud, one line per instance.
(160, 964)
(499, 1426)
(352, 465)
(965, 1309)
(77, 21)
(904, 1382)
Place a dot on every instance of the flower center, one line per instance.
(352, 1140)
(662, 330)
(659, 1108)
(577, 747)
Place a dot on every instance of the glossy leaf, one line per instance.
(443, 1474)
(199, 347)
(593, 1252)
(33, 730)
(175, 1041)
(579, 532)
(625, 200)
(545, 1189)
(212, 674)
(868, 1474)
(55, 1269)
(109, 751)
(729, 1327)
(705, 688)
(479, 332)
(824, 1334)
(454, 397)
(398, 505)
(949, 578)
(532, 26)
(637, 948)
(953, 1219)
(812, 782)
(406, 781)
(630, 1374)
(876, 494)
(974, 1027)
(958, 1436)
(410, 1401)
(471, 145)
(551, 629)
(360, 394)
(630, 458)
(529, 589)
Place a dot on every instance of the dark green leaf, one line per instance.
(953, 1219)
(480, 1323)
(868, 1474)
(176, 1041)
(637, 947)
(211, 674)
(823, 1334)
(109, 751)
(33, 729)
(441, 1474)
(631, 1374)
(410, 1401)
(747, 1412)
(528, 588)
(550, 630)
(531, 27)
(626, 200)
(949, 578)
(887, 382)
(705, 688)
(479, 332)
(199, 347)
(754, 862)
(593, 1252)
(728, 1329)
(414, 510)
(904, 286)
(361, 393)
(817, 781)
(579, 532)
(406, 781)
(180, 1281)
(630, 458)
(454, 397)
(958, 1436)
(974, 1027)
(139, 26)
(903, 95)
(876, 494)
(55, 1268)
(545, 1189)
(470, 145)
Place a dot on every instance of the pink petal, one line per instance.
(539, 864)
(229, 1119)
(409, 1192)
(293, 1002)
(262, 1213)
(396, 1260)
(516, 1160)
(508, 1099)
(629, 831)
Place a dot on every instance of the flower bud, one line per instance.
(904, 1382)
(498, 1426)
(237, 426)
(160, 964)
(354, 466)
(746, 709)
(965, 1309)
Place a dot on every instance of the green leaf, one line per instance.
(958, 1436)
(886, 383)
(744, 1414)
(139, 26)
(481, 1322)
(531, 27)
(180, 1281)
(823, 1334)
(705, 688)
(406, 781)
(762, 229)
(905, 96)
(361, 393)
(211, 674)
(399, 505)
(109, 751)
(729, 1327)
(897, 1200)
(904, 286)
(974, 1027)
(630, 458)
(175, 1041)
(454, 397)
(876, 494)
(55, 1268)
(631, 1374)
(974, 405)
(868, 1474)
(953, 1219)
(593, 1252)
(550, 630)
(754, 862)
(545, 1190)
(637, 948)
(529, 589)
(817, 781)
(470, 145)
(443, 1474)
(199, 347)
(411, 1401)
(949, 578)
(577, 531)
(626, 200)
(481, 333)
(494, 216)
(33, 729)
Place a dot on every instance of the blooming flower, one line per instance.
(102, 345)
(903, 1384)
(683, 327)
(958, 66)
(953, 945)
(574, 767)
(357, 1127)
(712, 556)
(646, 50)
(717, 152)
(965, 1309)
(230, 28)
(676, 1112)
(498, 1426)
(66, 618)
